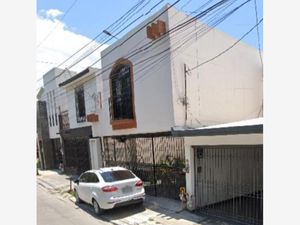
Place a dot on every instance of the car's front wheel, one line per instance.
(97, 208)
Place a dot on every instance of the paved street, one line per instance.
(54, 210)
(56, 206)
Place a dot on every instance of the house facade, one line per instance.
(163, 93)
(159, 79)
(152, 82)
(79, 140)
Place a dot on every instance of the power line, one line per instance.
(258, 36)
(167, 49)
(119, 33)
(110, 33)
(259, 49)
(226, 50)
(132, 9)
(66, 13)
(160, 61)
(120, 43)
(173, 29)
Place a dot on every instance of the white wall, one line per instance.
(91, 100)
(152, 86)
(241, 139)
(228, 89)
(224, 90)
(54, 96)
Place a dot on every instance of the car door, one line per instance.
(93, 187)
(83, 187)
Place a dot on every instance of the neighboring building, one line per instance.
(51, 102)
(44, 146)
(82, 108)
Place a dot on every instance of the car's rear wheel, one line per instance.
(78, 200)
(97, 208)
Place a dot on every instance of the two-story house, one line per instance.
(156, 105)
(168, 74)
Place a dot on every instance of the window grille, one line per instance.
(80, 104)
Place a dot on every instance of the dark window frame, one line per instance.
(121, 101)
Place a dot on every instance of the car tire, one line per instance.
(97, 209)
(78, 200)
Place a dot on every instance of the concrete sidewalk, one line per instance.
(157, 210)
(53, 180)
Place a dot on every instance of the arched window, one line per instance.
(122, 96)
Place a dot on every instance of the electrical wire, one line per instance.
(171, 30)
(227, 49)
(132, 9)
(257, 31)
(155, 55)
(126, 38)
(103, 71)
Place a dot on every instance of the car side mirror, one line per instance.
(76, 181)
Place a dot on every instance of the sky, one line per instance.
(63, 27)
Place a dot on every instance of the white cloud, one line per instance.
(61, 44)
(53, 13)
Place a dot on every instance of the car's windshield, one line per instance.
(111, 176)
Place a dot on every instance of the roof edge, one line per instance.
(234, 130)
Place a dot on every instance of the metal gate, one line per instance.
(158, 161)
(77, 158)
(229, 182)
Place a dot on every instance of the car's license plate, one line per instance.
(126, 189)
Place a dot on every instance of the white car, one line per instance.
(109, 187)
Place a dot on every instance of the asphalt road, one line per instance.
(52, 210)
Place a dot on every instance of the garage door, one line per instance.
(229, 182)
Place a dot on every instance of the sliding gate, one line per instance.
(158, 161)
(229, 182)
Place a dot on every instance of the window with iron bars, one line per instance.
(121, 101)
(80, 104)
